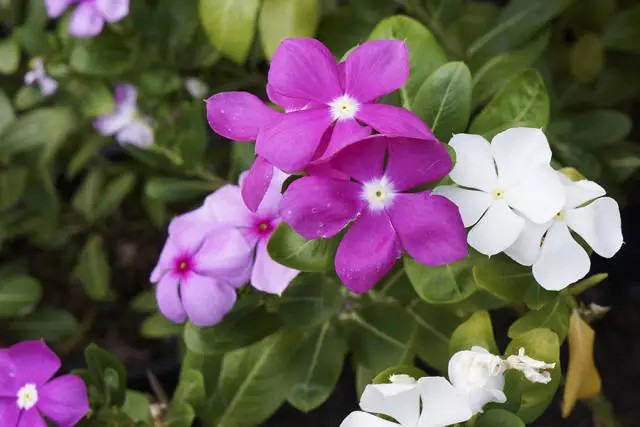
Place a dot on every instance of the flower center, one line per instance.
(560, 215)
(183, 265)
(27, 396)
(263, 227)
(344, 107)
(498, 194)
(379, 193)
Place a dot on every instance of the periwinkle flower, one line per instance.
(88, 18)
(38, 76)
(28, 390)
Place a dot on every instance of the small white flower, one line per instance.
(501, 185)
(557, 259)
(534, 370)
(479, 375)
(38, 75)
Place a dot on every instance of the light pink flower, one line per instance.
(89, 17)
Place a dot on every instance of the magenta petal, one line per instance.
(113, 10)
(238, 115)
(376, 68)
(344, 133)
(289, 104)
(368, 251)
(271, 201)
(7, 376)
(393, 121)
(256, 183)
(326, 170)
(304, 69)
(34, 361)
(55, 8)
(86, 21)
(290, 142)
(429, 227)
(31, 418)
(168, 299)
(413, 162)
(206, 300)
(64, 400)
(269, 276)
(320, 207)
(9, 411)
(363, 160)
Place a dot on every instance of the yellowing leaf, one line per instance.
(583, 379)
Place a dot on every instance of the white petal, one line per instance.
(471, 203)
(580, 192)
(562, 260)
(474, 166)
(398, 401)
(48, 85)
(362, 419)
(526, 249)
(539, 197)
(599, 225)
(496, 230)
(516, 151)
(442, 404)
(137, 133)
(109, 124)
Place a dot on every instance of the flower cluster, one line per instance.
(27, 390)
(38, 76)
(89, 16)
(476, 378)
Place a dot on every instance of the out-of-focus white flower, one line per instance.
(38, 75)
(534, 370)
(196, 87)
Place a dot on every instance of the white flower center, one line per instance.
(344, 107)
(379, 193)
(27, 396)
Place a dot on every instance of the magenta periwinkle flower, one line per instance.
(28, 390)
(327, 105)
(88, 18)
(386, 217)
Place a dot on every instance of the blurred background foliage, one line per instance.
(82, 219)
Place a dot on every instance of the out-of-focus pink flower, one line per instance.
(89, 16)
(38, 75)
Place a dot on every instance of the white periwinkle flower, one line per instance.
(38, 75)
(534, 370)
(557, 259)
(502, 184)
(429, 402)
(479, 375)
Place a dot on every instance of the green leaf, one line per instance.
(93, 270)
(28, 97)
(384, 377)
(9, 56)
(318, 364)
(190, 389)
(113, 194)
(87, 196)
(83, 155)
(444, 284)
(47, 324)
(18, 295)
(36, 128)
(254, 382)
(498, 418)
(172, 189)
(623, 31)
(160, 82)
(587, 58)
(425, 53)
(540, 344)
(288, 248)
(6, 111)
(107, 373)
(107, 55)
(144, 302)
(381, 336)
(593, 129)
(517, 22)
(92, 98)
(208, 366)
(444, 11)
(180, 416)
(193, 139)
(477, 330)
(136, 406)
(280, 19)
(523, 101)
(157, 326)
(554, 315)
(309, 300)
(444, 100)
(475, 20)
(12, 186)
(230, 26)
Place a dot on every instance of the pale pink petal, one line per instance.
(227, 207)
(429, 227)
(271, 201)
(64, 400)
(31, 418)
(269, 276)
(55, 8)
(126, 96)
(256, 183)
(474, 167)
(113, 10)
(390, 120)
(318, 207)
(367, 252)
(376, 68)
(168, 299)
(599, 224)
(138, 133)
(109, 124)
(224, 254)
(362, 419)
(291, 141)
(363, 161)
(497, 229)
(238, 115)
(165, 262)
(471, 203)
(9, 411)
(206, 300)
(86, 21)
(343, 133)
(304, 69)
(414, 162)
(289, 104)
(34, 361)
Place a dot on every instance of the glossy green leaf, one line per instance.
(172, 189)
(593, 129)
(18, 295)
(190, 389)
(136, 406)
(180, 416)
(280, 19)
(93, 271)
(36, 128)
(441, 285)
(107, 373)
(309, 300)
(476, 18)
(47, 324)
(523, 101)
(498, 418)
(477, 330)
(208, 366)
(554, 315)
(230, 25)
(9, 56)
(157, 326)
(444, 100)
(622, 33)
(288, 248)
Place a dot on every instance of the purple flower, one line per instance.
(38, 76)
(386, 218)
(27, 390)
(199, 269)
(125, 122)
(324, 102)
(89, 17)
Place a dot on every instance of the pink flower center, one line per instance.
(263, 227)
(183, 265)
